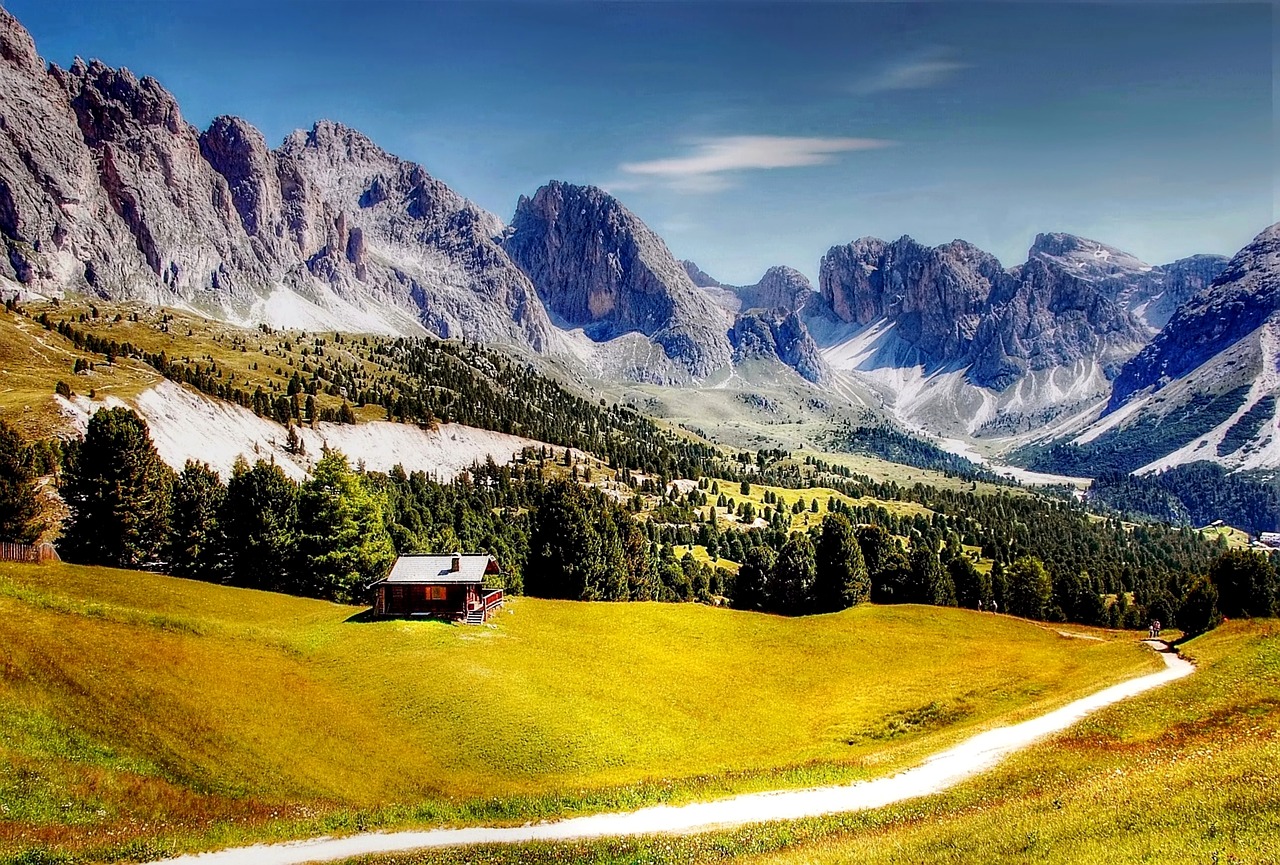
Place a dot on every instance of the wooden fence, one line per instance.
(37, 554)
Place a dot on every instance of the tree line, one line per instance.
(332, 534)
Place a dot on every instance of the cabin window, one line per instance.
(438, 593)
(397, 593)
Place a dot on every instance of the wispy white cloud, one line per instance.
(918, 71)
(705, 166)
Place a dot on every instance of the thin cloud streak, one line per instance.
(920, 72)
(749, 152)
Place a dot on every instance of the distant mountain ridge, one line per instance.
(956, 306)
(106, 190)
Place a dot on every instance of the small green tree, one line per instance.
(343, 542)
(193, 521)
(794, 576)
(1199, 610)
(887, 564)
(841, 579)
(257, 526)
(753, 587)
(19, 502)
(972, 586)
(930, 583)
(117, 490)
(1030, 589)
(1246, 583)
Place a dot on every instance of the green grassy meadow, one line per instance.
(142, 714)
(1183, 774)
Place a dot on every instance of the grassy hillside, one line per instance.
(1186, 773)
(141, 713)
(33, 361)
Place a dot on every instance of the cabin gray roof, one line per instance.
(438, 569)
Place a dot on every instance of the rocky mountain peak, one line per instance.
(1085, 258)
(112, 103)
(17, 48)
(598, 266)
(1244, 296)
(238, 151)
(700, 277)
(780, 287)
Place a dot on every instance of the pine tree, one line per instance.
(193, 521)
(841, 580)
(1246, 583)
(1030, 589)
(794, 576)
(930, 583)
(972, 586)
(566, 551)
(19, 503)
(256, 529)
(343, 543)
(117, 489)
(1199, 610)
(753, 587)
(887, 565)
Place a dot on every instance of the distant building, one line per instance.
(1270, 539)
(444, 587)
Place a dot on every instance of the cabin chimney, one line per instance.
(456, 564)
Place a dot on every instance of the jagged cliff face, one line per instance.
(597, 266)
(775, 334)
(106, 189)
(934, 296)
(1074, 300)
(1044, 317)
(1235, 306)
(1152, 293)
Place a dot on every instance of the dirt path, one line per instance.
(938, 773)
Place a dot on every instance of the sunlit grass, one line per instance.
(1185, 773)
(149, 714)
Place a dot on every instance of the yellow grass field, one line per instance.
(1186, 773)
(142, 714)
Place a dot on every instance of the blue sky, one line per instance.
(757, 134)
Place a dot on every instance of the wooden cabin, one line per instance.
(444, 587)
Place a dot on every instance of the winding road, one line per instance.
(939, 772)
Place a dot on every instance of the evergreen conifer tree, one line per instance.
(343, 544)
(19, 504)
(753, 586)
(1030, 589)
(256, 529)
(117, 489)
(841, 579)
(193, 521)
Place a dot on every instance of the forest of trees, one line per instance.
(1195, 494)
(334, 533)
(899, 447)
(326, 537)
(1145, 440)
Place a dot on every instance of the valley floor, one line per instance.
(143, 716)
(1184, 773)
(939, 772)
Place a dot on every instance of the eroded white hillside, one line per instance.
(188, 425)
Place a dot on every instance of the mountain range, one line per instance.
(106, 190)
